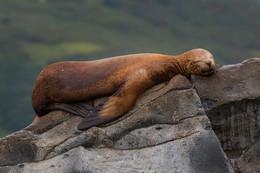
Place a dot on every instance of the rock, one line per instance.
(231, 83)
(166, 131)
(231, 99)
(250, 159)
(17, 148)
(199, 152)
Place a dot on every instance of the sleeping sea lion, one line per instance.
(68, 85)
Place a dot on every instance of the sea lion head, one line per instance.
(199, 62)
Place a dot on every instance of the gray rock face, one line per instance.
(199, 152)
(166, 131)
(230, 84)
(231, 99)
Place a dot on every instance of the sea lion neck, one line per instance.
(177, 63)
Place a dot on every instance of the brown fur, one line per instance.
(125, 78)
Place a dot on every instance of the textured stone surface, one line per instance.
(231, 83)
(161, 133)
(166, 131)
(237, 124)
(199, 152)
(250, 159)
(17, 148)
(231, 99)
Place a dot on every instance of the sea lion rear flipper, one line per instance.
(94, 119)
(83, 109)
(91, 121)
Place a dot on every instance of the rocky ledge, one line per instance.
(201, 125)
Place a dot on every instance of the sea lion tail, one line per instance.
(82, 109)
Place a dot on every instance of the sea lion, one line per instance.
(68, 85)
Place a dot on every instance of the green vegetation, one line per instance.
(43, 53)
(37, 33)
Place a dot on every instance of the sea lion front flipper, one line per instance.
(120, 102)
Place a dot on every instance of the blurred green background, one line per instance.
(35, 33)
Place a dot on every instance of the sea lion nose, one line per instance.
(209, 63)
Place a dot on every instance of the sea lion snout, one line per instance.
(209, 68)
